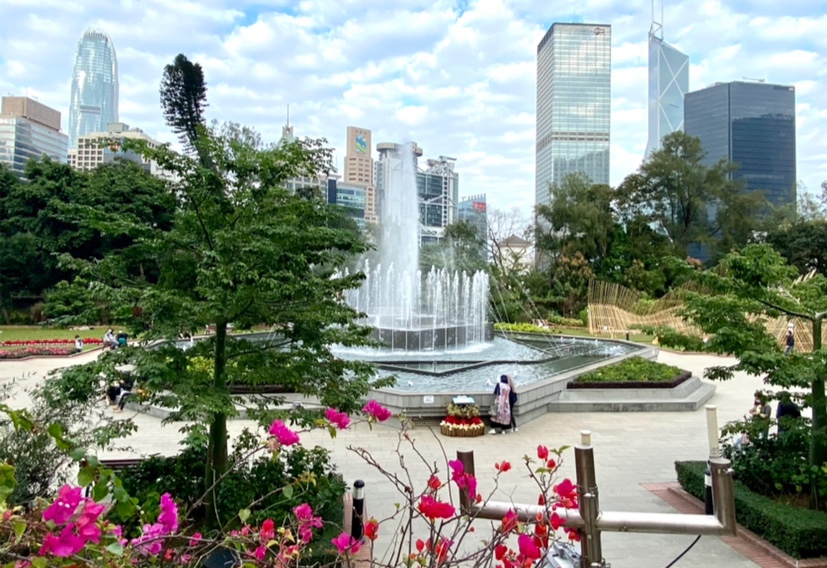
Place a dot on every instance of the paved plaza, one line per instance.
(630, 449)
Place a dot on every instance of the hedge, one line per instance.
(801, 533)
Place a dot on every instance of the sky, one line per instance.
(456, 76)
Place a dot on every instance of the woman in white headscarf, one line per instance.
(501, 407)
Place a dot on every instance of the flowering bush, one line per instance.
(74, 530)
(40, 351)
(27, 342)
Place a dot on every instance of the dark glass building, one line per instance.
(753, 126)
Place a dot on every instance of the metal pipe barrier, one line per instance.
(591, 521)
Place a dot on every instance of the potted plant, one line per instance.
(463, 420)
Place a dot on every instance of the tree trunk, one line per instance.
(217, 452)
(818, 440)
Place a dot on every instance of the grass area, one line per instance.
(36, 332)
(633, 369)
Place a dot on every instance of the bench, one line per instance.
(121, 464)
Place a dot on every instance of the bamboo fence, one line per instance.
(615, 310)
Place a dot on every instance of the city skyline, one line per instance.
(457, 77)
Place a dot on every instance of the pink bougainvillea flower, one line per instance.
(64, 545)
(345, 543)
(500, 551)
(338, 419)
(441, 550)
(567, 493)
(420, 545)
(196, 538)
(509, 521)
(65, 505)
(542, 452)
(463, 480)
(169, 514)
(260, 553)
(268, 530)
(307, 522)
(502, 467)
(556, 521)
(434, 509)
(377, 411)
(283, 434)
(529, 546)
(551, 464)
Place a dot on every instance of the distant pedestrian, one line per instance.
(109, 339)
(790, 340)
(762, 413)
(501, 407)
(78, 344)
(512, 402)
(787, 411)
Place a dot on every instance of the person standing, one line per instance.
(762, 413)
(790, 340)
(512, 402)
(78, 344)
(787, 410)
(501, 407)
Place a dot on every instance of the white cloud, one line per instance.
(461, 82)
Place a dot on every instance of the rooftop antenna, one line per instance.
(288, 115)
(656, 30)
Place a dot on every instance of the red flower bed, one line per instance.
(25, 342)
(456, 420)
(36, 352)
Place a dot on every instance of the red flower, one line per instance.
(551, 464)
(502, 467)
(542, 452)
(529, 546)
(268, 530)
(500, 551)
(434, 483)
(434, 509)
(420, 545)
(372, 529)
(441, 550)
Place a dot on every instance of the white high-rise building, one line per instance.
(574, 92)
(668, 84)
(29, 130)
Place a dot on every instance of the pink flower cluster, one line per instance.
(338, 419)
(151, 541)
(18, 342)
(76, 517)
(465, 481)
(285, 436)
(376, 411)
(41, 351)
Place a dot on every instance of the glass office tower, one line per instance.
(753, 126)
(574, 89)
(94, 102)
(668, 84)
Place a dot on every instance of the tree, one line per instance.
(503, 225)
(240, 251)
(675, 192)
(803, 244)
(184, 99)
(747, 289)
(461, 248)
(579, 219)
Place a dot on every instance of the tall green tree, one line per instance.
(803, 243)
(462, 248)
(746, 290)
(184, 99)
(241, 251)
(676, 192)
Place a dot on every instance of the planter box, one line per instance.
(631, 384)
(454, 432)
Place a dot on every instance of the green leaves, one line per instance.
(7, 481)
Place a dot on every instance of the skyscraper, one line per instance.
(29, 129)
(94, 102)
(668, 84)
(752, 125)
(359, 168)
(574, 89)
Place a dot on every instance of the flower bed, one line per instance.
(41, 342)
(42, 351)
(632, 373)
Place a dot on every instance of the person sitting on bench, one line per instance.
(117, 393)
(122, 339)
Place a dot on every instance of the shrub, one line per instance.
(798, 532)
(633, 369)
(258, 481)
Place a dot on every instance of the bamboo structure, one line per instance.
(615, 310)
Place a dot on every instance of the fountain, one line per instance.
(440, 310)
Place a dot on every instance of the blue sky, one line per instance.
(456, 76)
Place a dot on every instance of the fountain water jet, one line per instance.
(445, 309)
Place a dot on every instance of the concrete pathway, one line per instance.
(630, 449)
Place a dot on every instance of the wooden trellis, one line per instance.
(615, 310)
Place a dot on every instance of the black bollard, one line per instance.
(708, 509)
(357, 527)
